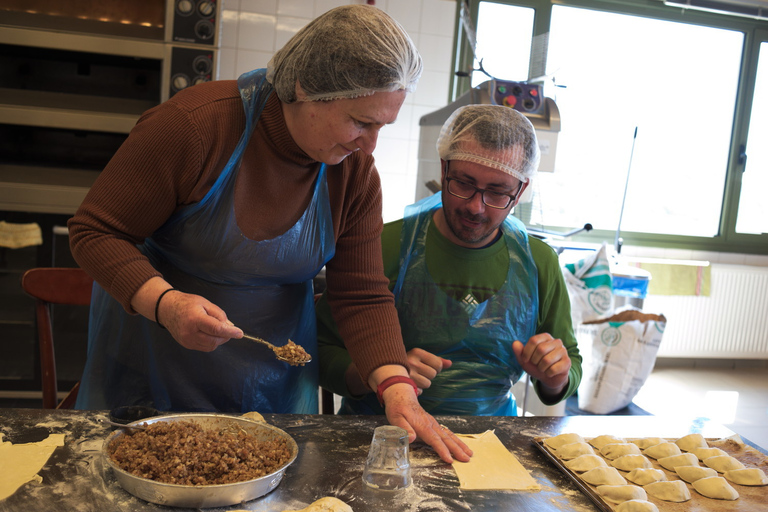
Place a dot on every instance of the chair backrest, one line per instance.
(70, 286)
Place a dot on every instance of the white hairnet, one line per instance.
(492, 135)
(348, 52)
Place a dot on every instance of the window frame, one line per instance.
(755, 32)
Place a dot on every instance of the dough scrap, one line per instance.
(585, 463)
(573, 450)
(600, 441)
(326, 504)
(637, 506)
(715, 487)
(492, 467)
(723, 463)
(645, 476)
(616, 450)
(691, 441)
(22, 462)
(693, 473)
(746, 476)
(254, 416)
(559, 440)
(605, 475)
(705, 453)
(630, 462)
(684, 459)
(673, 490)
(647, 442)
(620, 493)
(661, 450)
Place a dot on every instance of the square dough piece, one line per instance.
(492, 467)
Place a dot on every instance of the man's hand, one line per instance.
(546, 359)
(424, 366)
(194, 322)
(403, 410)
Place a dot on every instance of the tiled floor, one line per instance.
(734, 395)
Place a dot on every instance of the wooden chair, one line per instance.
(48, 286)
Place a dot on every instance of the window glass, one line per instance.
(753, 208)
(504, 35)
(672, 84)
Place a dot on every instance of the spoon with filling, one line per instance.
(291, 353)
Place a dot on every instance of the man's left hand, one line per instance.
(545, 359)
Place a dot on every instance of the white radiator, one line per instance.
(732, 323)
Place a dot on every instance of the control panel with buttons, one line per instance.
(194, 22)
(526, 98)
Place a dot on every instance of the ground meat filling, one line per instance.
(185, 453)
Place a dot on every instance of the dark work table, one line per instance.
(332, 452)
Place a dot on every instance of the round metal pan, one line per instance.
(204, 496)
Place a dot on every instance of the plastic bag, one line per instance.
(590, 288)
(624, 348)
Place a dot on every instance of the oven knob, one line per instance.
(204, 29)
(180, 81)
(202, 65)
(200, 80)
(206, 8)
(185, 7)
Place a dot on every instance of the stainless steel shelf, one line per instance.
(43, 190)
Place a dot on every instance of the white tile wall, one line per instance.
(252, 30)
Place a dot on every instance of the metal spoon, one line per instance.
(278, 351)
(124, 426)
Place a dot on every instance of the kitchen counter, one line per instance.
(332, 452)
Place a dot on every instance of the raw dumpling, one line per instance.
(647, 442)
(723, 463)
(691, 441)
(620, 493)
(662, 450)
(693, 473)
(573, 450)
(558, 441)
(746, 476)
(616, 450)
(684, 459)
(673, 490)
(645, 476)
(585, 463)
(600, 441)
(705, 453)
(603, 476)
(637, 506)
(630, 462)
(715, 487)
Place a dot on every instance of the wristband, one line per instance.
(157, 305)
(389, 381)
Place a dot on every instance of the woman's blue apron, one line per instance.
(265, 287)
(476, 337)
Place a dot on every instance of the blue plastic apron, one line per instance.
(476, 337)
(265, 287)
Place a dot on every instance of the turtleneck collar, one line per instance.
(272, 125)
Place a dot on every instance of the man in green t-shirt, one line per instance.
(479, 302)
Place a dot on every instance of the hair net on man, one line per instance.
(348, 52)
(492, 135)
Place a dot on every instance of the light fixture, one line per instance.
(757, 9)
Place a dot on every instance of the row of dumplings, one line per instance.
(632, 455)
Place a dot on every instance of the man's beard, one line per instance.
(468, 235)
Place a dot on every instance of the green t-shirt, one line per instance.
(466, 275)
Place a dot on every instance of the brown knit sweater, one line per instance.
(173, 156)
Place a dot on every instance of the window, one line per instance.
(650, 101)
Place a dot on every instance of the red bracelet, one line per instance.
(389, 381)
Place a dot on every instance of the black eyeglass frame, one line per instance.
(482, 191)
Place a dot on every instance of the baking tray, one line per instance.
(599, 502)
(203, 496)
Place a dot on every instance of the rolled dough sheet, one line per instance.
(492, 467)
(20, 463)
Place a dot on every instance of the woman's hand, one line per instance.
(424, 366)
(194, 322)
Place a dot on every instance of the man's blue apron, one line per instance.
(476, 337)
(265, 287)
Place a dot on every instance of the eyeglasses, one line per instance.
(464, 190)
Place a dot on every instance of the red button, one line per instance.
(510, 101)
(534, 92)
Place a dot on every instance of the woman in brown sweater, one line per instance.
(219, 209)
